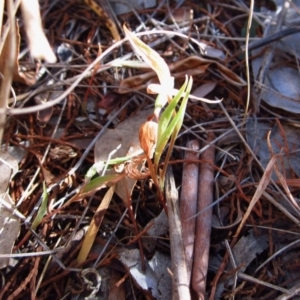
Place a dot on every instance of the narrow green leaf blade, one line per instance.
(167, 124)
(42, 210)
(101, 181)
(183, 105)
(167, 114)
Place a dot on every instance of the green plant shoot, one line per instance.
(164, 128)
(169, 126)
(42, 210)
(98, 182)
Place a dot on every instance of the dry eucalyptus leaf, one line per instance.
(188, 66)
(214, 53)
(9, 229)
(124, 189)
(204, 89)
(281, 87)
(192, 65)
(155, 280)
(9, 224)
(244, 252)
(8, 168)
(289, 43)
(126, 134)
(284, 139)
(247, 248)
(160, 227)
(181, 14)
(17, 153)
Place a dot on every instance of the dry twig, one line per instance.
(188, 202)
(180, 288)
(203, 224)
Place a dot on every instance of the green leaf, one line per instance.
(167, 115)
(178, 123)
(182, 108)
(91, 172)
(168, 122)
(42, 210)
(99, 182)
(114, 161)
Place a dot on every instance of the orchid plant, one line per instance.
(163, 126)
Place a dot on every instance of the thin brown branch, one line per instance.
(203, 224)
(188, 202)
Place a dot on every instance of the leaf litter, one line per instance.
(261, 169)
(9, 222)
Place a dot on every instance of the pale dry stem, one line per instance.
(181, 285)
(39, 46)
(8, 69)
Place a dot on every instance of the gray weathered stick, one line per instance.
(180, 286)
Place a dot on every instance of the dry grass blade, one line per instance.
(260, 189)
(275, 202)
(94, 226)
(247, 56)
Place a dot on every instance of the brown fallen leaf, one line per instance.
(9, 223)
(126, 134)
(179, 70)
(94, 226)
(193, 65)
(154, 281)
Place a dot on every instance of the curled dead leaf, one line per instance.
(148, 137)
